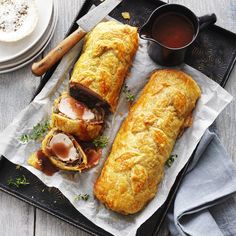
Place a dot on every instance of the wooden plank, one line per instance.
(16, 217)
(16, 90)
(47, 225)
(224, 9)
(19, 219)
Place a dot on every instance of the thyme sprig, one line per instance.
(18, 182)
(128, 95)
(100, 142)
(171, 160)
(37, 132)
(83, 197)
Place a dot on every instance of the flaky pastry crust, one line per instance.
(58, 163)
(135, 166)
(84, 130)
(106, 58)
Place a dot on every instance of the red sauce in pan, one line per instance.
(173, 30)
(45, 165)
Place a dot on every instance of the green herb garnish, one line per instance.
(18, 182)
(83, 197)
(100, 142)
(38, 132)
(171, 160)
(24, 138)
(129, 96)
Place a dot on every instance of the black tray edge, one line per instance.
(233, 59)
(38, 205)
(180, 177)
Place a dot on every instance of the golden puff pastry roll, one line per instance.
(135, 166)
(74, 117)
(106, 58)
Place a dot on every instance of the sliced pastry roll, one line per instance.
(107, 55)
(64, 151)
(74, 117)
(60, 151)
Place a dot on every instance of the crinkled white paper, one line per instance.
(213, 100)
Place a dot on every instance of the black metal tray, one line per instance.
(213, 53)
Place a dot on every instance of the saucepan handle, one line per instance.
(206, 20)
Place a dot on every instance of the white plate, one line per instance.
(12, 50)
(33, 50)
(36, 50)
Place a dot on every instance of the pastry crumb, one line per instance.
(18, 167)
(126, 15)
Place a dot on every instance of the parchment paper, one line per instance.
(213, 100)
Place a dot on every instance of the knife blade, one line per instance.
(85, 24)
(97, 14)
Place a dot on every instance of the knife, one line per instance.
(86, 24)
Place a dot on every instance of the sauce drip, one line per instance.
(93, 156)
(63, 147)
(77, 107)
(61, 150)
(45, 165)
(173, 30)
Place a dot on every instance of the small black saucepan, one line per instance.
(164, 53)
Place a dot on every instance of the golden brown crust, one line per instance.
(84, 130)
(58, 163)
(135, 166)
(33, 161)
(107, 56)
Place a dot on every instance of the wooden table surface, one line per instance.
(17, 88)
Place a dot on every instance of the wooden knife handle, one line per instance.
(39, 68)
